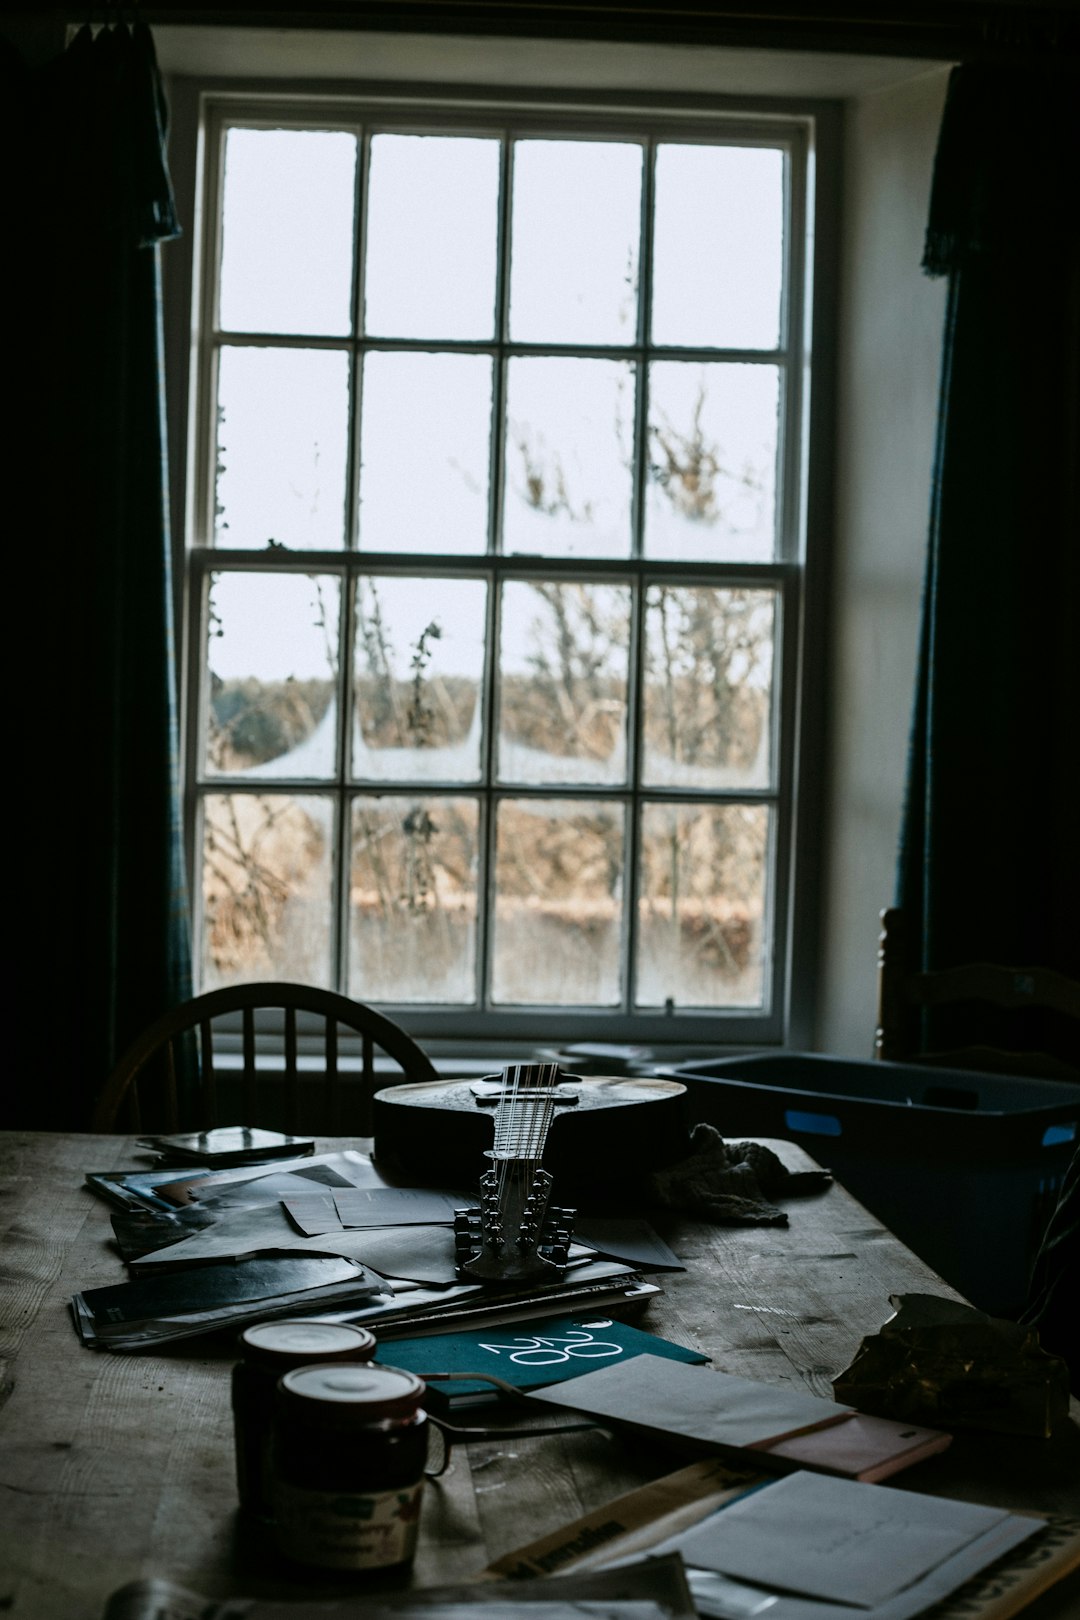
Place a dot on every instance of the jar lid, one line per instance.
(344, 1396)
(296, 1343)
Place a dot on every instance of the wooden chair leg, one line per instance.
(251, 1096)
(292, 1099)
(332, 1088)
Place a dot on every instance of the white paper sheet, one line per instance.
(836, 1539)
(808, 1531)
(694, 1402)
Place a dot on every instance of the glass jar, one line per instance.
(270, 1349)
(347, 1466)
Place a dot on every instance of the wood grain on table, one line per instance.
(116, 1466)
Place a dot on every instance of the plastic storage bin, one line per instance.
(964, 1168)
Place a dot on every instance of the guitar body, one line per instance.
(605, 1132)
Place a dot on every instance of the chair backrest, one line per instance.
(175, 1057)
(905, 993)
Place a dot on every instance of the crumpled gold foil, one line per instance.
(946, 1365)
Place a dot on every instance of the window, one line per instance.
(495, 574)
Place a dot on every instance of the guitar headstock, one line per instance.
(516, 1231)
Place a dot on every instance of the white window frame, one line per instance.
(810, 133)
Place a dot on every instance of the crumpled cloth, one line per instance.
(731, 1183)
(946, 1364)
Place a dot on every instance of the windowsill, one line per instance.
(459, 1063)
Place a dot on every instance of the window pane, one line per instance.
(282, 439)
(708, 686)
(713, 440)
(558, 906)
(266, 873)
(273, 662)
(701, 905)
(287, 231)
(425, 453)
(574, 246)
(562, 682)
(412, 900)
(528, 396)
(432, 233)
(419, 670)
(718, 246)
(569, 448)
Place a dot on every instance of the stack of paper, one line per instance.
(806, 1547)
(651, 1589)
(169, 1190)
(178, 1305)
(713, 1411)
(810, 1548)
(325, 1234)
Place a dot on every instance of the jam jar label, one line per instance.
(347, 1529)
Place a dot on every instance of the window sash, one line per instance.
(784, 574)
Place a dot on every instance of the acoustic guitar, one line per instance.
(600, 1134)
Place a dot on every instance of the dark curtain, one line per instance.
(101, 939)
(988, 859)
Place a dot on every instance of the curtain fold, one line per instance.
(103, 913)
(988, 858)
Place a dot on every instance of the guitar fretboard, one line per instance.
(524, 1111)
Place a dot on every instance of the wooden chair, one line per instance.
(182, 1040)
(904, 993)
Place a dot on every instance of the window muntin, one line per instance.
(510, 515)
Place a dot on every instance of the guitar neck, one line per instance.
(524, 1112)
(515, 1232)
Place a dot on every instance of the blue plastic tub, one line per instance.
(963, 1167)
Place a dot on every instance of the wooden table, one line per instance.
(118, 1466)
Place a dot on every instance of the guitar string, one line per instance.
(519, 1170)
(525, 1124)
(509, 1083)
(512, 1102)
(521, 1134)
(540, 1120)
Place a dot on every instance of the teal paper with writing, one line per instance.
(528, 1355)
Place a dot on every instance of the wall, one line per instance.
(890, 324)
(889, 361)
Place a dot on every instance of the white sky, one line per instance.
(431, 232)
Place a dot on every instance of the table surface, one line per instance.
(118, 1466)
